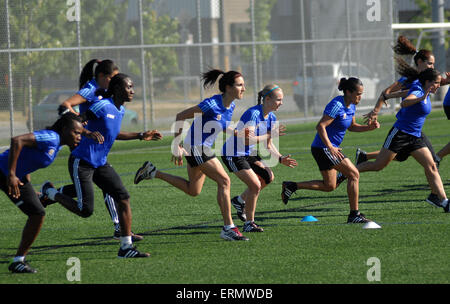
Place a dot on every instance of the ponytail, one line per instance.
(87, 73)
(349, 84)
(106, 67)
(405, 47)
(209, 78)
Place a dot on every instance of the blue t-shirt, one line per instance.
(411, 119)
(32, 159)
(343, 118)
(88, 93)
(215, 119)
(408, 85)
(107, 122)
(252, 117)
(447, 99)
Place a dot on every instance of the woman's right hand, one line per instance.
(336, 153)
(178, 157)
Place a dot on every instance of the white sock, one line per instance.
(438, 158)
(228, 227)
(240, 200)
(444, 203)
(19, 258)
(125, 242)
(51, 192)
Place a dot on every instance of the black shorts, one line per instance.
(402, 143)
(447, 111)
(238, 163)
(28, 200)
(198, 155)
(84, 176)
(403, 155)
(324, 159)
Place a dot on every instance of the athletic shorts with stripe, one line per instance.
(28, 200)
(84, 176)
(198, 155)
(238, 163)
(401, 142)
(324, 159)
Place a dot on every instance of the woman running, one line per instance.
(241, 156)
(88, 162)
(92, 79)
(405, 135)
(212, 116)
(338, 117)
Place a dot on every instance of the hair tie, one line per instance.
(268, 92)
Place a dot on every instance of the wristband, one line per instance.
(279, 159)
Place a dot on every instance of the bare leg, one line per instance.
(383, 159)
(424, 157)
(192, 187)
(251, 194)
(444, 151)
(29, 234)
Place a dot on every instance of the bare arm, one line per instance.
(355, 127)
(17, 143)
(73, 101)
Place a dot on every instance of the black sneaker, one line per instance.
(147, 171)
(131, 252)
(252, 227)
(239, 208)
(361, 156)
(288, 188)
(340, 178)
(21, 267)
(433, 200)
(134, 237)
(45, 200)
(232, 234)
(357, 218)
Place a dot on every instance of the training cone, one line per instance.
(371, 225)
(309, 218)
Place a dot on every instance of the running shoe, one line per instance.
(446, 205)
(43, 197)
(232, 234)
(239, 208)
(131, 252)
(340, 178)
(147, 171)
(433, 200)
(288, 188)
(361, 156)
(21, 267)
(357, 218)
(252, 227)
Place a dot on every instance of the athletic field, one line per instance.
(182, 233)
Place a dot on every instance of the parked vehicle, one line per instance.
(322, 79)
(46, 112)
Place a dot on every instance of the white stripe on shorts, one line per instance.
(334, 160)
(388, 141)
(232, 165)
(76, 179)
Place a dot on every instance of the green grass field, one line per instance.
(182, 233)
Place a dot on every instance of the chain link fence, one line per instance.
(164, 45)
